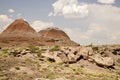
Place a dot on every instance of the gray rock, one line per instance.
(83, 51)
(90, 51)
(80, 52)
(116, 58)
(60, 57)
(103, 61)
(72, 57)
(48, 55)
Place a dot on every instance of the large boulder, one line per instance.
(56, 56)
(60, 57)
(103, 61)
(70, 55)
(80, 52)
(112, 52)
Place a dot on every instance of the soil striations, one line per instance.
(20, 33)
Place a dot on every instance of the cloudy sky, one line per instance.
(85, 21)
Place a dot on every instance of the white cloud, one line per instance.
(4, 21)
(106, 19)
(69, 9)
(4, 18)
(106, 1)
(38, 25)
(103, 26)
(11, 11)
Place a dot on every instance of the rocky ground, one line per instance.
(60, 63)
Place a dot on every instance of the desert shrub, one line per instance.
(90, 45)
(55, 48)
(43, 50)
(67, 48)
(39, 53)
(33, 49)
(95, 48)
(3, 51)
(50, 75)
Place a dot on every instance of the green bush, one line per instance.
(90, 45)
(3, 51)
(55, 48)
(33, 49)
(39, 53)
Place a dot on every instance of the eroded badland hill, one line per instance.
(20, 33)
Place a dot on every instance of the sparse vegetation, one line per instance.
(55, 48)
(33, 67)
(39, 53)
(3, 51)
(33, 49)
(90, 45)
(50, 75)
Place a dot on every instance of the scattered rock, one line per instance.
(116, 51)
(25, 63)
(104, 57)
(48, 55)
(57, 59)
(71, 57)
(83, 51)
(103, 61)
(62, 56)
(15, 53)
(72, 54)
(90, 51)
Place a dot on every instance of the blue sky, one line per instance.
(85, 21)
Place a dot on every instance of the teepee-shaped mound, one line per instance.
(53, 33)
(19, 32)
(56, 36)
(19, 28)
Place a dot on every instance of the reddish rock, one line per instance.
(20, 33)
(54, 33)
(19, 28)
(56, 36)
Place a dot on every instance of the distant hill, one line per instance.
(53, 33)
(20, 33)
(19, 28)
(56, 36)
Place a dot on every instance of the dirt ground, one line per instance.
(33, 67)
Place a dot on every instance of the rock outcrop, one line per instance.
(103, 58)
(70, 55)
(103, 61)
(35, 61)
